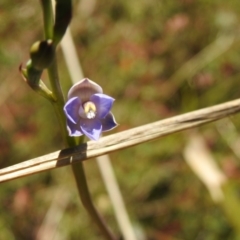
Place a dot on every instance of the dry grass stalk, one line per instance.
(120, 140)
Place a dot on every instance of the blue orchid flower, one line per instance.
(88, 110)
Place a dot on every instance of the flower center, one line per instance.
(89, 109)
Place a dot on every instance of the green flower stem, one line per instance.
(47, 18)
(80, 178)
(78, 169)
(58, 104)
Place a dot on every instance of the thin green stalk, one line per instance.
(47, 18)
(79, 174)
(59, 103)
(78, 169)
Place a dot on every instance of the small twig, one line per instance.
(120, 140)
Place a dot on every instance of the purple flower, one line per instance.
(88, 110)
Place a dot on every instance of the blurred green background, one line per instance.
(137, 51)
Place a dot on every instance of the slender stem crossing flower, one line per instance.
(88, 110)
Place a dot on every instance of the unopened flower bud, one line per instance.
(42, 54)
(62, 19)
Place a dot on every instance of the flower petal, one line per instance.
(84, 89)
(92, 128)
(74, 130)
(71, 109)
(108, 123)
(103, 104)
